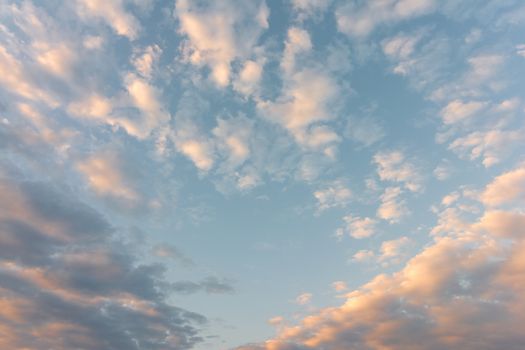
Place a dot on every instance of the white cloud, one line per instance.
(392, 207)
(456, 293)
(304, 298)
(491, 146)
(393, 166)
(334, 195)
(104, 175)
(443, 171)
(508, 188)
(145, 60)
(393, 251)
(233, 138)
(297, 42)
(339, 286)
(358, 227)
(113, 13)
(457, 110)
(249, 77)
(361, 19)
(220, 33)
(363, 256)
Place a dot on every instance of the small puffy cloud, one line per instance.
(305, 9)
(249, 77)
(145, 60)
(304, 298)
(297, 42)
(276, 321)
(491, 146)
(233, 138)
(335, 195)
(392, 207)
(303, 106)
(339, 286)
(358, 227)
(113, 13)
(506, 189)
(450, 199)
(219, 33)
(393, 251)
(363, 255)
(393, 166)
(400, 49)
(93, 42)
(457, 110)
(360, 19)
(443, 171)
(104, 174)
(198, 151)
(140, 95)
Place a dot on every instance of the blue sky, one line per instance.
(275, 175)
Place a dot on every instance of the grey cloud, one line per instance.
(209, 285)
(70, 284)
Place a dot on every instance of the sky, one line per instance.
(262, 175)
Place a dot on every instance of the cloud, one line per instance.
(67, 282)
(339, 286)
(360, 19)
(304, 298)
(220, 33)
(210, 285)
(358, 227)
(506, 189)
(303, 106)
(462, 291)
(112, 13)
(393, 166)
(393, 251)
(392, 208)
(305, 9)
(145, 60)
(103, 173)
(335, 195)
(457, 110)
(365, 131)
(443, 171)
(363, 255)
(169, 251)
(491, 146)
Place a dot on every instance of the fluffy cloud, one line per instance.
(113, 13)
(304, 298)
(357, 227)
(507, 188)
(104, 175)
(491, 146)
(220, 33)
(462, 291)
(360, 19)
(67, 283)
(335, 195)
(392, 207)
(393, 166)
(458, 110)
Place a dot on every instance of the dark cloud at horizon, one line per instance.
(67, 283)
